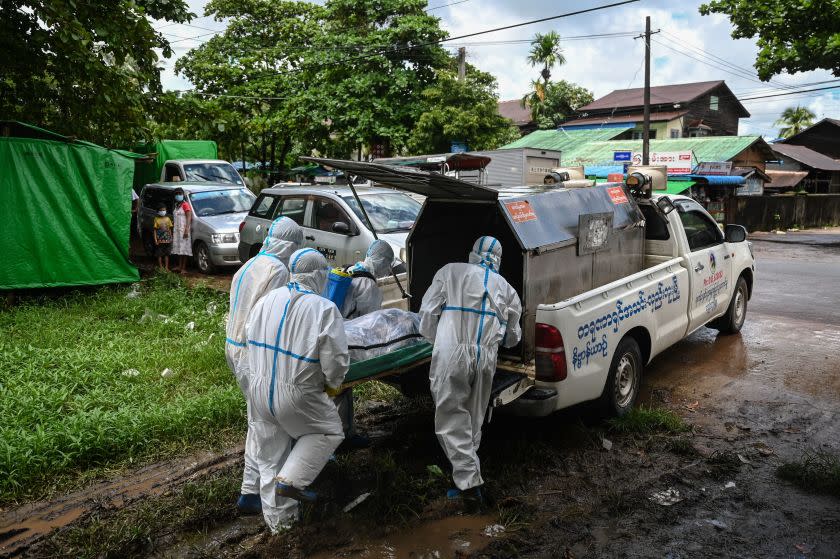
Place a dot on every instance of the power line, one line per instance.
(790, 93)
(446, 5)
(707, 63)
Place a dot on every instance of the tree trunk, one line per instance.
(284, 151)
(272, 173)
(263, 151)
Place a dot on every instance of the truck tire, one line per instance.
(625, 378)
(736, 314)
(202, 258)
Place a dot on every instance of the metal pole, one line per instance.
(373, 230)
(646, 122)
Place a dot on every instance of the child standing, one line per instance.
(163, 237)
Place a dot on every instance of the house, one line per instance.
(686, 110)
(815, 173)
(823, 137)
(521, 116)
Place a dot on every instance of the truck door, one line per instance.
(709, 267)
(330, 231)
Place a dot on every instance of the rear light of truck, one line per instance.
(241, 226)
(550, 358)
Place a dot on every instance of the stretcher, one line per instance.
(507, 385)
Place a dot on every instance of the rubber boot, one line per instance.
(473, 500)
(249, 504)
(291, 492)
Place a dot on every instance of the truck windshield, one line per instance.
(214, 172)
(389, 212)
(217, 202)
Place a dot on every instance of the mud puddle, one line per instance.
(454, 536)
(21, 527)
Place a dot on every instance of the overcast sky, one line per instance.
(689, 48)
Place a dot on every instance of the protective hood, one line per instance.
(379, 259)
(283, 238)
(487, 251)
(309, 270)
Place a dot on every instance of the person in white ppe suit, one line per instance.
(266, 271)
(296, 349)
(364, 296)
(467, 312)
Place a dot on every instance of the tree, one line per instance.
(466, 111)
(562, 99)
(82, 68)
(546, 52)
(794, 120)
(793, 35)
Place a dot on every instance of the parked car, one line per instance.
(200, 170)
(332, 221)
(218, 209)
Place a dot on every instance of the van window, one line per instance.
(154, 197)
(701, 231)
(264, 206)
(656, 228)
(327, 213)
(293, 208)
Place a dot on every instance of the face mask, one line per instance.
(179, 198)
(162, 213)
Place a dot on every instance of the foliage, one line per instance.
(546, 52)
(562, 99)
(465, 111)
(81, 68)
(817, 472)
(66, 406)
(646, 420)
(793, 35)
(794, 120)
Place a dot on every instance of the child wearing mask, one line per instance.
(163, 237)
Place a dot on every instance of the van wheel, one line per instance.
(736, 314)
(623, 382)
(202, 258)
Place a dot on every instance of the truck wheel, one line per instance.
(202, 258)
(736, 314)
(624, 379)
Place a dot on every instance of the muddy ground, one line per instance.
(565, 486)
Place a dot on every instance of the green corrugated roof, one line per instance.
(563, 140)
(710, 148)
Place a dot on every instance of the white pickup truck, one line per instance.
(594, 346)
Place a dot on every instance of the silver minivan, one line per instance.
(332, 221)
(218, 209)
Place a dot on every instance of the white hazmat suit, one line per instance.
(296, 348)
(266, 271)
(364, 296)
(467, 312)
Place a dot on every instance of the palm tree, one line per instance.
(545, 52)
(794, 120)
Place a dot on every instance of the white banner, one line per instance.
(677, 162)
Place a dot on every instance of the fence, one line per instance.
(759, 213)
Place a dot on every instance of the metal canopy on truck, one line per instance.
(430, 185)
(556, 243)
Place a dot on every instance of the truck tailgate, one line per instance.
(508, 386)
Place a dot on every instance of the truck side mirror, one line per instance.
(341, 227)
(734, 233)
(665, 205)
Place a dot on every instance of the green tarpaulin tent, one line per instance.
(66, 208)
(148, 170)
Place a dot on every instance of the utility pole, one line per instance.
(646, 117)
(462, 64)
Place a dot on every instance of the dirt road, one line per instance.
(571, 485)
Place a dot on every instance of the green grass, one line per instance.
(647, 421)
(65, 404)
(817, 472)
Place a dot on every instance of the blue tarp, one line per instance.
(720, 180)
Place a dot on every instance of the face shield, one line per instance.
(309, 269)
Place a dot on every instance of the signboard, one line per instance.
(615, 177)
(622, 155)
(714, 168)
(617, 195)
(677, 162)
(521, 211)
(594, 232)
